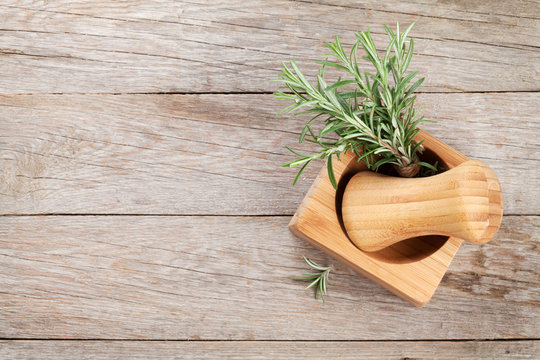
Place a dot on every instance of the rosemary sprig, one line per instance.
(377, 121)
(319, 280)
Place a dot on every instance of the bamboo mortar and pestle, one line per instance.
(464, 202)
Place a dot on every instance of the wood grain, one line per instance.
(442, 350)
(218, 154)
(411, 269)
(237, 46)
(174, 277)
(226, 277)
(381, 210)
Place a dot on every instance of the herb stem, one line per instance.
(377, 121)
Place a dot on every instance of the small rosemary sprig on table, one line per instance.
(319, 280)
(376, 121)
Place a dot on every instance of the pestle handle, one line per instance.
(464, 202)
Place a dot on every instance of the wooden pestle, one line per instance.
(464, 202)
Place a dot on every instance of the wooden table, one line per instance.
(144, 210)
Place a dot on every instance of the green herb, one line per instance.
(376, 121)
(319, 280)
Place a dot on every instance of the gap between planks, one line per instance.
(179, 215)
(248, 92)
(274, 340)
(270, 349)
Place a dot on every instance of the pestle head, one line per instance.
(464, 202)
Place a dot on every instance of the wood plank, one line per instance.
(227, 278)
(512, 13)
(237, 46)
(218, 154)
(442, 350)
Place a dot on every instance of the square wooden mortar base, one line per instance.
(411, 269)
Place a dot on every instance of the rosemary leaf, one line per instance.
(376, 119)
(319, 280)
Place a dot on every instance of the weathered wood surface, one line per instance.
(227, 278)
(218, 154)
(442, 350)
(101, 151)
(236, 46)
